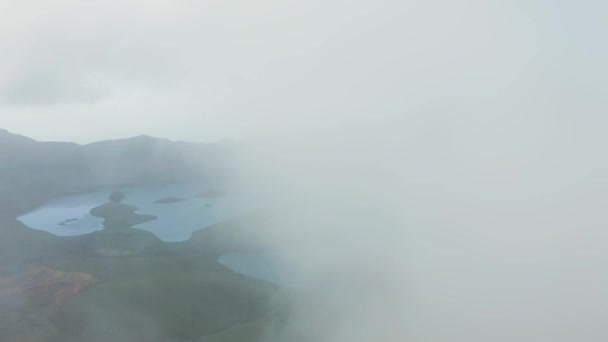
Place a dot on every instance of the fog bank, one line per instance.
(473, 233)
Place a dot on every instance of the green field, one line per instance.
(144, 289)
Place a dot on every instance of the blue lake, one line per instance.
(176, 221)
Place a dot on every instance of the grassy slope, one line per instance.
(163, 296)
(168, 303)
(251, 331)
(146, 293)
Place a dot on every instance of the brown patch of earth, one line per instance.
(31, 302)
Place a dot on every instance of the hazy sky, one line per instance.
(206, 70)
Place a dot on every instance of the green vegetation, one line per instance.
(168, 200)
(121, 283)
(251, 331)
(173, 299)
(145, 290)
(121, 221)
(120, 215)
(112, 209)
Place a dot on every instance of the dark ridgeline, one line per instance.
(32, 172)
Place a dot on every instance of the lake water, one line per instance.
(176, 221)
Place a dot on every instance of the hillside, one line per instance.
(74, 288)
(32, 171)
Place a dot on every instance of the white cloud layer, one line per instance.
(210, 69)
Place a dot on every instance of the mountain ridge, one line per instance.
(32, 171)
(4, 133)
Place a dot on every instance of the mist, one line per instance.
(437, 167)
(466, 237)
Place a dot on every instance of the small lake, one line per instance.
(69, 216)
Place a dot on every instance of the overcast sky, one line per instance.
(212, 69)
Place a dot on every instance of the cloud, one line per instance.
(47, 88)
(219, 68)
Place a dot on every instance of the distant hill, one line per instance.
(32, 171)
